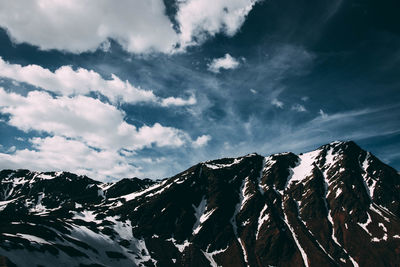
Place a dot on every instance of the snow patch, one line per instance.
(268, 162)
(330, 219)
(243, 197)
(124, 229)
(376, 210)
(245, 256)
(304, 167)
(45, 176)
(134, 195)
(338, 192)
(216, 166)
(303, 253)
(369, 186)
(30, 238)
(263, 217)
(210, 256)
(3, 204)
(198, 212)
(39, 206)
(86, 215)
(364, 225)
(180, 247)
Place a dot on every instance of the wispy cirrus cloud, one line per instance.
(277, 103)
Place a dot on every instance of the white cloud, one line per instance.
(83, 118)
(62, 154)
(201, 141)
(140, 26)
(277, 103)
(87, 136)
(299, 108)
(199, 19)
(226, 62)
(68, 82)
(177, 101)
(305, 98)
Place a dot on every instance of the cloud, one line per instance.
(83, 135)
(154, 160)
(174, 101)
(323, 114)
(83, 118)
(201, 141)
(199, 19)
(61, 154)
(299, 108)
(78, 26)
(277, 103)
(287, 133)
(69, 82)
(227, 62)
(139, 26)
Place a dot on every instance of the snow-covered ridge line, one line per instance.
(134, 195)
(220, 165)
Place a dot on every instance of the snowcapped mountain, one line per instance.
(336, 206)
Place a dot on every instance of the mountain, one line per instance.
(336, 206)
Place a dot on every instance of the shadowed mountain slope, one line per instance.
(336, 206)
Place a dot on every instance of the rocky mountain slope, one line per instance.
(336, 206)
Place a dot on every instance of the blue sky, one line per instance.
(149, 88)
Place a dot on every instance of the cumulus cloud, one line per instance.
(199, 19)
(275, 102)
(139, 26)
(85, 135)
(201, 141)
(226, 62)
(83, 118)
(62, 154)
(299, 108)
(67, 81)
(76, 26)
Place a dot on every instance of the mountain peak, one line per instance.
(337, 205)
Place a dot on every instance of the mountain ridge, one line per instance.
(311, 209)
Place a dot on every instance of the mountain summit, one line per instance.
(335, 206)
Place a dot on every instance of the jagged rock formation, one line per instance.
(335, 206)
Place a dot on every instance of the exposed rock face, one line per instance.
(335, 206)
